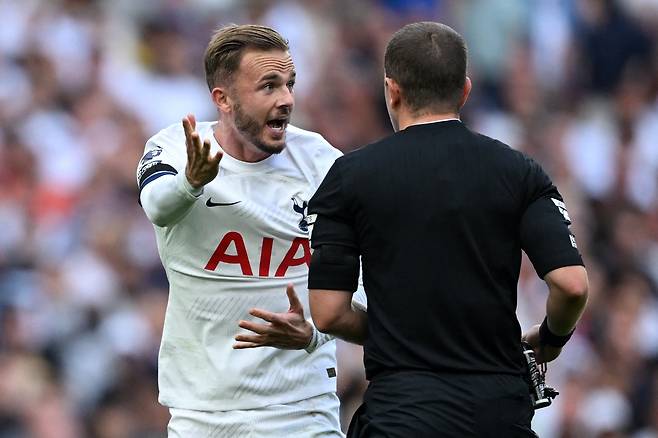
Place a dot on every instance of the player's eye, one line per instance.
(269, 86)
(290, 85)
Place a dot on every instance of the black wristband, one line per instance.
(546, 337)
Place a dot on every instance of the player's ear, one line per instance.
(221, 98)
(393, 94)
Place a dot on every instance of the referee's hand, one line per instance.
(201, 167)
(288, 331)
(543, 353)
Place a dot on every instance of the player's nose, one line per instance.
(286, 99)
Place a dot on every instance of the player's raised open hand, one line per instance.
(289, 331)
(202, 167)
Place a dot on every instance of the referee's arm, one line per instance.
(333, 279)
(552, 249)
(334, 271)
(333, 313)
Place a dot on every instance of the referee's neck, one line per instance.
(411, 120)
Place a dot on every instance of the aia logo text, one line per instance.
(239, 255)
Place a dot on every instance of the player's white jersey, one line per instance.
(237, 248)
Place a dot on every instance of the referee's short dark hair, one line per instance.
(428, 62)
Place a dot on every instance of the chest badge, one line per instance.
(300, 206)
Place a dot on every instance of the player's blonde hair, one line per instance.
(227, 45)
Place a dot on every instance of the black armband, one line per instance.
(152, 171)
(334, 267)
(547, 337)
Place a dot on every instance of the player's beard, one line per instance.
(251, 130)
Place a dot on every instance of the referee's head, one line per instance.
(425, 68)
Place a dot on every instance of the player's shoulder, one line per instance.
(298, 137)
(165, 136)
(309, 143)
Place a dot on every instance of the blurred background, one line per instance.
(84, 83)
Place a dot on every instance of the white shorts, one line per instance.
(310, 418)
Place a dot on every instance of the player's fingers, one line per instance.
(188, 137)
(216, 158)
(255, 339)
(295, 304)
(187, 128)
(264, 314)
(196, 144)
(205, 150)
(255, 327)
(244, 345)
(192, 120)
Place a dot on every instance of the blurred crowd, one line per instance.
(84, 83)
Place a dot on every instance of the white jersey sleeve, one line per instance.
(162, 156)
(164, 192)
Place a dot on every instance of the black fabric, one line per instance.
(547, 337)
(334, 267)
(151, 171)
(147, 172)
(421, 404)
(544, 229)
(440, 216)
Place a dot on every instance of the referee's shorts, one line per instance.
(316, 417)
(419, 404)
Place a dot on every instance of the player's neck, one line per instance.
(408, 119)
(236, 146)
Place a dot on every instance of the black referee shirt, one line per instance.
(439, 215)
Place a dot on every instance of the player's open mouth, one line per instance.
(278, 125)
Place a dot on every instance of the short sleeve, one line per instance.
(160, 157)
(335, 261)
(324, 157)
(329, 209)
(545, 234)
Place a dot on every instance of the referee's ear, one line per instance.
(465, 92)
(393, 93)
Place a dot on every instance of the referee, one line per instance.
(439, 216)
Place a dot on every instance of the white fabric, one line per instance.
(168, 199)
(314, 417)
(223, 260)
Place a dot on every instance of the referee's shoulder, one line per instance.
(497, 151)
(368, 159)
(356, 156)
(369, 149)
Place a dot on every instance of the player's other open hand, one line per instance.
(201, 166)
(289, 331)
